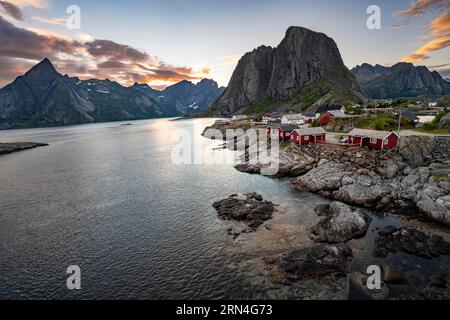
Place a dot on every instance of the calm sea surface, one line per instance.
(108, 198)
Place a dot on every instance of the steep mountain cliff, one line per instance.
(306, 70)
(400, 80)
(43, 97)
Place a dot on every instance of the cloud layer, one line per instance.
(21, 48)
(439, 28)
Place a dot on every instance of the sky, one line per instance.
(161, 42)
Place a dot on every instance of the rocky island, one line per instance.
(6, 148)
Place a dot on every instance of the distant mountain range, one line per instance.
(400, 80)
(43, 97)
(305, 71)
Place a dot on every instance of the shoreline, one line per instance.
(7, 148)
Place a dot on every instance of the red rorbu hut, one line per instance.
(281, 131)
(331, 116)
(308, 135)
(380, 140)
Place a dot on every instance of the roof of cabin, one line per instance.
(284, 127)
(338, 114)
(294, 116)
(310, 131)
(366, 133)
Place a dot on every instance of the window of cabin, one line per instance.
(373, 140)
(386, 142)
(306, 138)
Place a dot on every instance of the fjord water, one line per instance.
(108, 198)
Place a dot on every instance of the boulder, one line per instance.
(326, 262)
(249, 208)
(340, 223)
(411, 241)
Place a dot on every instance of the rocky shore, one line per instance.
(6, 148)
(364, 186)
(415, 181)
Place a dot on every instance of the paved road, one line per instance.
(407, 133)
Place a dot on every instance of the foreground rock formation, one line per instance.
(340, 223)
(414, 182)
(324, 262)
(249, 208)
(393, 240)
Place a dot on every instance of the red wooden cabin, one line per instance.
(331, 116)
(308, 135)
(380, 140)
(281, 131)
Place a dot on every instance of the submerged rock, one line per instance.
(324, 262)
(437, 288)
(393, 240)
(249, 208)
(340, 223)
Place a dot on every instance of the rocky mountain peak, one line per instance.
(303, 58)
(43, 68)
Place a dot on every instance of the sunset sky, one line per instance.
(161, 42)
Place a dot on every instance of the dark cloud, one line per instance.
(439, 66)
(22, 43)
(112, 65)
(98, 58)
(114, 51)
(12, 10)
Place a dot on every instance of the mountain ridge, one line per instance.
(44, 97)
(400, 80)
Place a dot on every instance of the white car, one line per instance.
(343, 139)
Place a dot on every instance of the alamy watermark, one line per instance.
(374, 19)
(73, 22)
(374, 279)
(74, 280)
(253, 146)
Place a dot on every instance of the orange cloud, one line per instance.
(439, 27)
(420, 7)
(55, 21)
(229, 60)
(415, 57)
(441, 24)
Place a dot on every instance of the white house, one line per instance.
(239, 118)
(293, 119)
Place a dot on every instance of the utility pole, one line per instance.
(399, 126)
